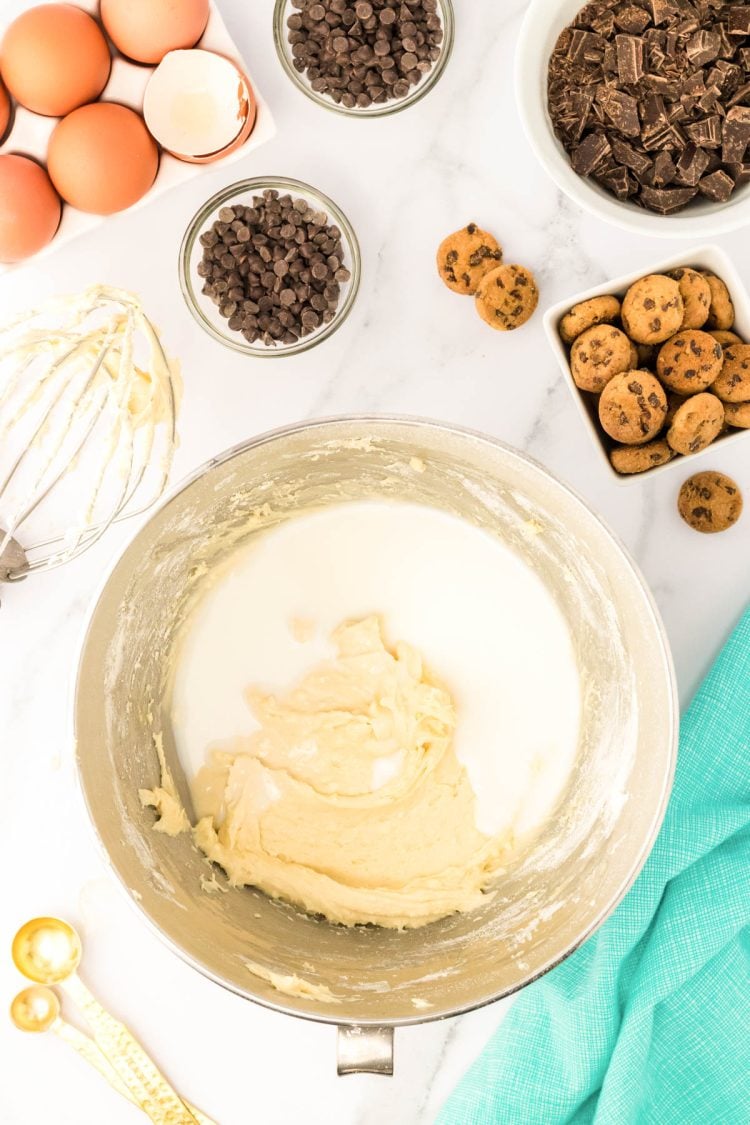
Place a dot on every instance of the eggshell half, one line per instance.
(29, 208)
(55, 58)
(102, 158)
(145, 30)
(199, 106)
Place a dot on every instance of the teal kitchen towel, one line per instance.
(648, 1023)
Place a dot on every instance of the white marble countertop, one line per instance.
(409, 347)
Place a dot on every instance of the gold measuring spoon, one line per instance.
(48, 951)
(37, 1009)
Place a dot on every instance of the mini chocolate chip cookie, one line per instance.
(507, 297)
(737, 415)
(696, 424)
(696, 296)
(689, 362)
(733, 383)
(653, 309)
(587, 314)
(629, 459)
(724, 337)
(465, 257)
(599, 354)
(632, 407)
(721, 314)
(710, 502)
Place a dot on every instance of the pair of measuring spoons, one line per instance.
(48, 951)
(37, 1009)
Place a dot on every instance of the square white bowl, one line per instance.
(711, 258)
(543, 23)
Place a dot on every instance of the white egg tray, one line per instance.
(30, 132)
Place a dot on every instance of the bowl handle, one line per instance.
(365, 1050)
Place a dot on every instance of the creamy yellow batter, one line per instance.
(349, 800)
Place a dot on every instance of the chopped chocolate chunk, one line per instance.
(664, 170)
(621, 110)
(706, 133)
(738, 20)
(691, 165)
(618, 181)
(630, 157)
(703, 47)
(590, 152)
(717, 187)
(667, 200)
(629, 59)
(740, 173)
(633, 19)
(663, 10)
(735, 135)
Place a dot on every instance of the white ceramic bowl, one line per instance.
(711, 258)
(544, 21)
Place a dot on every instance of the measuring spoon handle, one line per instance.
(136, 1069)
(86, 1047)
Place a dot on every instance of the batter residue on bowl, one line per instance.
(377, 704)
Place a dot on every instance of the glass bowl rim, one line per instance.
(196, 227)
(387, 108)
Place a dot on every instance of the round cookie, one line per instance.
(689, 362)
(721, 314)
(632, 407)
(710, 502)
(725, 338)
(737, 415)
(696, 296)
(507, 297)
(629, 459)
(653, 309)
(465, 256)
(696, 424)
(587, 314)
(599, 354)
(733, 384)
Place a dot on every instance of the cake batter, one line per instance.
(377, 704)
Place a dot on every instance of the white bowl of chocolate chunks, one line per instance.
(640, 109)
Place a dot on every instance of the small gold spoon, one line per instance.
(37, 1009)
(48, 951)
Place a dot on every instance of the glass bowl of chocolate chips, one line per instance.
(639, 110)
(270, 267)
(364, 58)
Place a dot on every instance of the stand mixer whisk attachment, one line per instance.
(87, 425)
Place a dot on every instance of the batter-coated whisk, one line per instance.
(87, 425)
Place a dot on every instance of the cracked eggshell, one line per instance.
(199, 106)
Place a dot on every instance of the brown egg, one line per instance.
(55, 58)
(4, 110)
(102, 158)
(29, 208)
(145, 30)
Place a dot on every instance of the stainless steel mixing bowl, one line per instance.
(548, 900)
